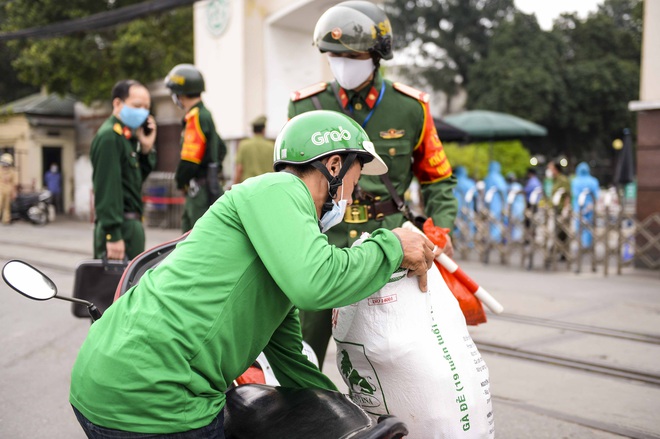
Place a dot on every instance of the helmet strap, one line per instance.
(334, 181)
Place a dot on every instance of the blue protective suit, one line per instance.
(517, 214)
(584, 181)
(463, 185)
(495, 179)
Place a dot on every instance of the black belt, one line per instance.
(363, 210)
(132, 216)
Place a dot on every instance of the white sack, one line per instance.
(409, 354)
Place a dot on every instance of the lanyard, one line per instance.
(380, 98)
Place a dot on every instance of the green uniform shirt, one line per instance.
(402, 130)
(161, 357)
(255, 155)
(119, 169)
(200, 145)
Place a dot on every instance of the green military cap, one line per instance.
(259, 121)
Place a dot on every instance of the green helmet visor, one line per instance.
(357, 32)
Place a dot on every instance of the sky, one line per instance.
(548, 10)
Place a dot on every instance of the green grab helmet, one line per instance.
(354, 26)
(185, 79)
(310, 136)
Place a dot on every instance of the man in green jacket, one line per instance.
(202, 149)
(162, 356)
(122, 155)
(356, 35)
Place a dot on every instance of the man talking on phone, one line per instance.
(122, 155)
(202, 149)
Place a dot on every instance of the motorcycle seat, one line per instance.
(261, 411)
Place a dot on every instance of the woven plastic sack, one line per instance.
(409, 354)
(472, 308)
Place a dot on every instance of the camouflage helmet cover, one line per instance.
(354, 26)
(185, 79)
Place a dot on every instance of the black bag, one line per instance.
(96, 281)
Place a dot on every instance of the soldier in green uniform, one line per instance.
(255, 155)
(356, 35)
(122, 155)
(202, 149)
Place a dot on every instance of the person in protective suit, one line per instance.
(202, 149)
(8, 183)
(162, 357)
(584, 182)
(356, 36)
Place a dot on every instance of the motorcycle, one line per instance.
(32, 207)
(253, 410)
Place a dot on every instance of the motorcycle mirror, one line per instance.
(28, 281)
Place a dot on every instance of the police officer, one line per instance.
(202, 149)
(122, 155)
(356, 35)
(254, 155)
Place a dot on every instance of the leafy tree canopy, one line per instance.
(576, 80)
(445, 37)
(88, 64)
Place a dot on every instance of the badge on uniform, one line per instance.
(392, 134)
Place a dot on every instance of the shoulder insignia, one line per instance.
(192, 113)
(308, 91)
(412, 92)
(117, 128)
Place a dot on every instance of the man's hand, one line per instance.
(147, 141)
(115, 250)
(418, 254)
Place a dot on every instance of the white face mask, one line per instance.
(176, 101)
(548, 173)
(334, 216)
(350, 73)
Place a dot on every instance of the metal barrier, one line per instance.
(601, 232)
(163, 202)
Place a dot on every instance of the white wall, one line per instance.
(650, 85)
(221, 59)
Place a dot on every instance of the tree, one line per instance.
(88, 64)
(576, 80)
(11, 88)
(521, 74)
(445, 37)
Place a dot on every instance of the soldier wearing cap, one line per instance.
(202, 149)
(254, 155)
(356, 35)
(122, 156)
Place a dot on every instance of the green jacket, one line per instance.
(163, 355)
(399, 123)
(119, 169)
(200, 145)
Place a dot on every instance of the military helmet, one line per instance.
(354, 26)
(311, 136)
(185, 79)
(6, 159)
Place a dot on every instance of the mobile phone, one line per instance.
(146, 129)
